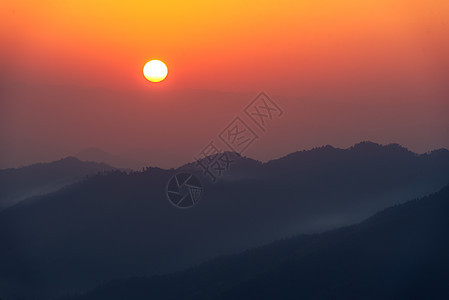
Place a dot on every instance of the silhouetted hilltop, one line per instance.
(400, 253)
(117, 161)
(38, 179)
(239, 167)
(367, 151)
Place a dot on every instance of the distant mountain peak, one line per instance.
(366, 143)
(99, 155)
(93, 151)
(324, 148)
(69, 159)
(369, 145)
(236, 158)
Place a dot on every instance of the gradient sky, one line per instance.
(343, 71)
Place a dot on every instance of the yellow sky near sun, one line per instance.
(177, 22)
(209, 34)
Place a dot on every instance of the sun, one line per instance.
(155, 70)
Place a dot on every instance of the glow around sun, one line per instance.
(155, 70)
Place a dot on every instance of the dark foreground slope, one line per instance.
(400, 253)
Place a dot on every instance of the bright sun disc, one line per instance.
(155, 70)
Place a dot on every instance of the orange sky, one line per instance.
(391, 54)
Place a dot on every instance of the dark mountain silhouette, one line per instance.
(400, 253)
(119, 225)
(117, 161)
(38, 179)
